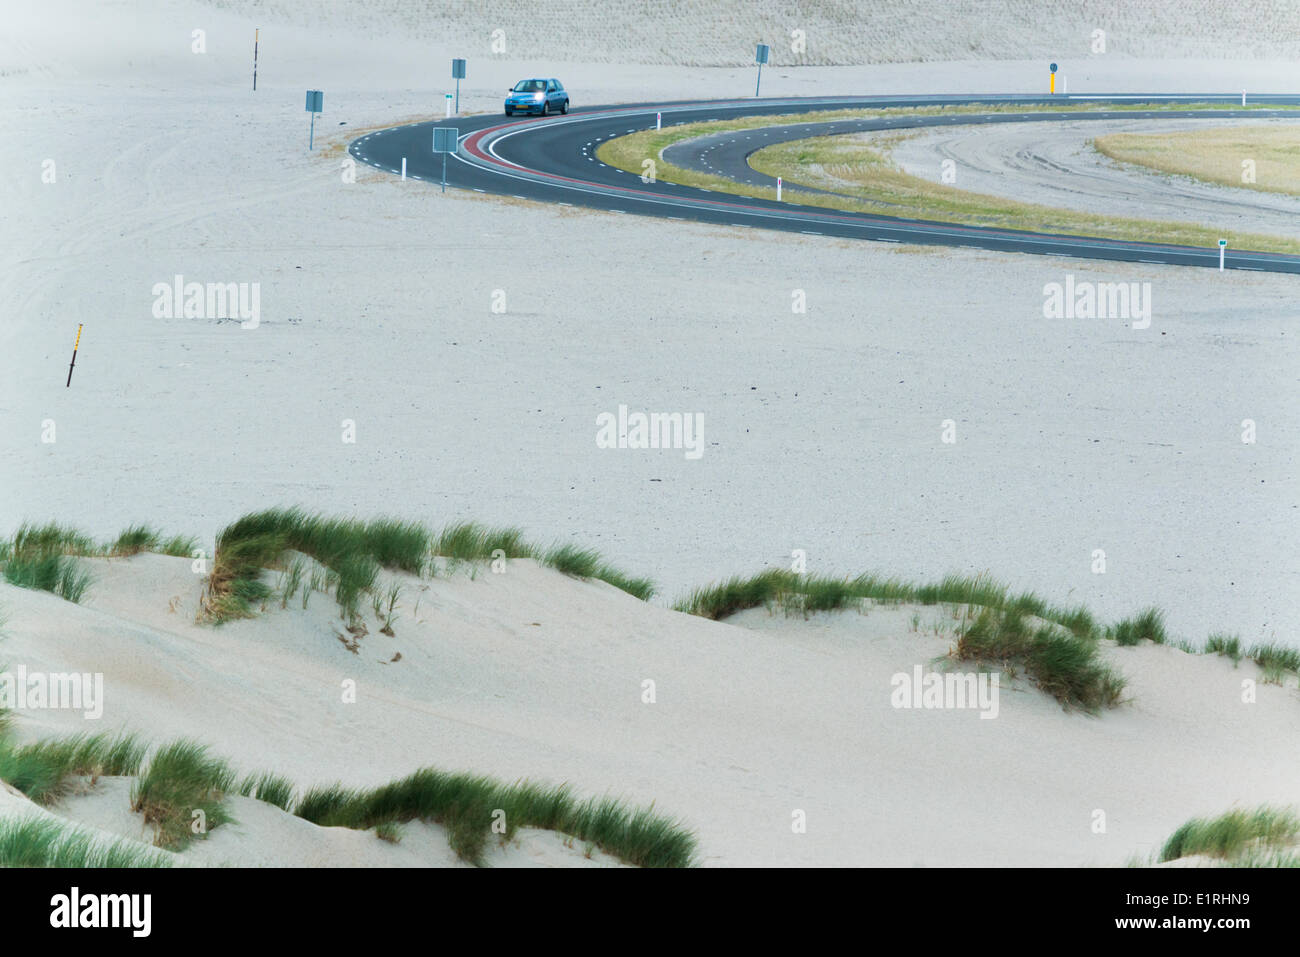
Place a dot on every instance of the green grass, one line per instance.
(1062, 664)
(355, 550)
(41, 770)
(44, 556)
(144, 538)
(269, 788)
(352, 550)
(179, 546)
(135, 539)
(180, 779)
(470, 541)
(357, 575)
(52, 572)
(1235, 834)
(51, 538)
(466, 805)
(1148, 626)
(1275, 658)
(41, 842)
(392, 833)
(397, 544)
(776, 587)
(1226, 645)
(587, 563)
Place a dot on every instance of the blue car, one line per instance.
(537, 96)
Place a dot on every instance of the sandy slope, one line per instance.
(531, 674)
(723, 32)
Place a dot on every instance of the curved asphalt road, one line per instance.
(552, 159)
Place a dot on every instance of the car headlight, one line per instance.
(537, 96)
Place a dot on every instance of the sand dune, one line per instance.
(533, 674)
(723, 32)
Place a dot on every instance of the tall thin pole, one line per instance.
(77, 345)
(256, 33)
(311, 137)
(760, 79)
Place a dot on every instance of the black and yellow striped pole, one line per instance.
(75, 346)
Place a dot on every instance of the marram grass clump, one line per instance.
(43, 842)
(1237, 836)
(44, 557)
(42, 770)
(473, 809)
(353, 551)
(1148, 626)
(181, 793)
(1061, 663)
(801, 593)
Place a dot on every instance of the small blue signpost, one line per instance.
(761, 56)
(315, 104)
(444, 142)
(458, 72)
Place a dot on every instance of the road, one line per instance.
(553, 159)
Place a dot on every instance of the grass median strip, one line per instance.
(869, 182)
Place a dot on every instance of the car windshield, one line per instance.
(530, 86)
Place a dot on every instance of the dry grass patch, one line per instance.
(1215, 155)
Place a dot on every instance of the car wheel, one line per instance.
(564, 107)
(546, 107)
(510, 112)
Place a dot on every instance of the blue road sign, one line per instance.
(315, 104)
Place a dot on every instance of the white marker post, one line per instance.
(659, 121)
(1223, 244)
(778, 189)
(403, 167)
(448, 106)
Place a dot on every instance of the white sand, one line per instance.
(822, 429)
(531, 674)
